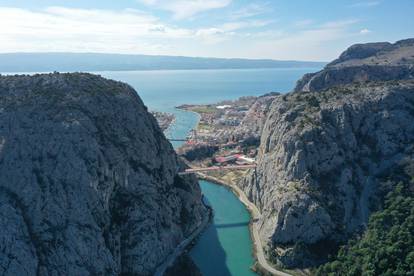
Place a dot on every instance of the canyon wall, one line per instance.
(88, 182)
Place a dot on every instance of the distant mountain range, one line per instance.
(46, 62)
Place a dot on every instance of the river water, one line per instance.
(225, 248)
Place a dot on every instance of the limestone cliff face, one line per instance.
(364, 62)
(320, 156)
(88, 183)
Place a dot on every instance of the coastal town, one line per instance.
(227, 136)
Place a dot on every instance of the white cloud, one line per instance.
(182, 9)
(249, 11)
(213, 35)
(365, 4)
(228, 30)
(364, 31)
(88, 30)
(320, 43)
(233, 26)
(65, 29)
(338, 24)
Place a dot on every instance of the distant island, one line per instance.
(65, 62)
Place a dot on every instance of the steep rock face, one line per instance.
(364, 62)
(88, 182)
(319, 159)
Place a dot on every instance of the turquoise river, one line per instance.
(225, 248)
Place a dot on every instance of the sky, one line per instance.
(314, 30)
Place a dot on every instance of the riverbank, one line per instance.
(254, 232)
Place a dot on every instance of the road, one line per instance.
(255, 214)
(179, 250)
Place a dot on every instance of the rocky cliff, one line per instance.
(319, 162)
(88, 183)
(319, 159)
(364, 62)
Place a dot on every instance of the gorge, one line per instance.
(90, 186)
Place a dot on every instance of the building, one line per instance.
(238, 159)
(226, 159)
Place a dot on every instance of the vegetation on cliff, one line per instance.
(387, 246)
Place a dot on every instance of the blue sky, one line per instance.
(288, 29)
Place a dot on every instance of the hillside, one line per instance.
(89, 183)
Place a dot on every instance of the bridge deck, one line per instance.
(217, 168)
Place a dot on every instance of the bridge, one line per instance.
(217, 168)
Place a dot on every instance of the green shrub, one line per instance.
(387, 247)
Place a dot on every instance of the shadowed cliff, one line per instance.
(88, 181)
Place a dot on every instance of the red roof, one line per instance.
(223, 159)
